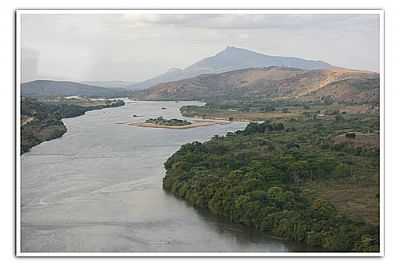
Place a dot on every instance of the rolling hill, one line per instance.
(273, 83)
(229, 59)
(66, 88)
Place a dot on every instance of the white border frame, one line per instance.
(18, 251)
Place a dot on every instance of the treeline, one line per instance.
(249, 105)
(42, 110)
(255, 176)
(46, 118)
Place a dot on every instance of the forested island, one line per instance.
(168, 122)
(312, 178)
(41, 118)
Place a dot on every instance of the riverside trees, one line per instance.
(255, 177)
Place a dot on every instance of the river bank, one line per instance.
(41, 118)
(98, 189)
(256, 177)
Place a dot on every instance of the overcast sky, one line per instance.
(133, 47)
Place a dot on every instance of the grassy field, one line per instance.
(260, 113)
(359, 200)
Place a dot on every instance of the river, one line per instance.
(99, 189)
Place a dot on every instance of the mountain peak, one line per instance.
(233, 49)
(233, 58)
(230, 48)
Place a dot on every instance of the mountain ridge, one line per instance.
(43, 87)
(231, 58)
(271, 82)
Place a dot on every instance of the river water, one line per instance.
(99, 189)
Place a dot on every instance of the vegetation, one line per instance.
(168, 122)
(261, 110)
(41, 118)
(280, 177)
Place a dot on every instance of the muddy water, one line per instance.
(98, 188)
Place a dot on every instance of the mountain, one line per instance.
(66, 88)
(271, 82)
(231, 58)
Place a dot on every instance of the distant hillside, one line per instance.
(271, 82)
(352, 90)
(66, 88)
(229, 59)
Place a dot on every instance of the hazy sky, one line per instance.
(135, 47)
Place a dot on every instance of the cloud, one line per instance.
(134, 47)
(248, 21)
(29, 64)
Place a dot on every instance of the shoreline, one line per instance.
(223, 119)
(195, 123)
(50, 131)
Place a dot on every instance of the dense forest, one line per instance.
(264, 177)
(41, 118)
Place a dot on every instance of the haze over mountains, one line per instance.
(231, 74)
(66, 88)
(231, 58)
